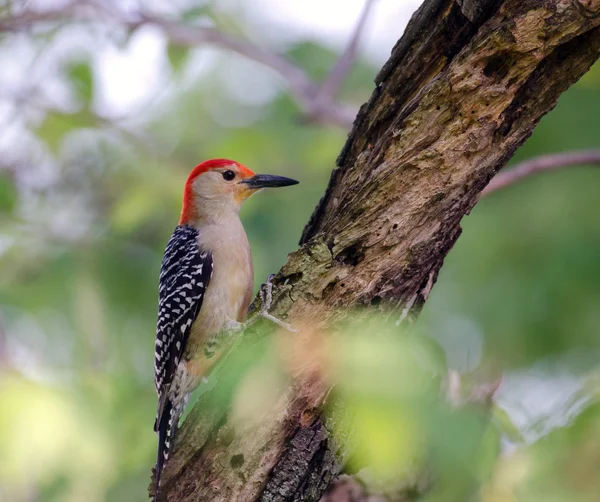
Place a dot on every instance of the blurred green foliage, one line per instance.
(88, 206)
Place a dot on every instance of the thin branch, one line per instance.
(332, 84)
(539, 164)
(303, 89)
(300, 85)
(192, 36)
(27, 18)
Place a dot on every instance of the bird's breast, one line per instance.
(229, 291)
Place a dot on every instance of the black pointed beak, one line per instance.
(268, 180)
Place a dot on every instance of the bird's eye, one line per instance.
(228, 175)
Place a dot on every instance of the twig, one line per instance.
(302, 88)
(406, 310)
(192, 36)
(331, 86)
(300, 85)
(545, 163)
(27, 18)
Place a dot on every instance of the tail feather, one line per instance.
(165, 426)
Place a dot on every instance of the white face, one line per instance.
(219, 192)
(215, 190)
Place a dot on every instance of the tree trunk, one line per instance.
(462, 90)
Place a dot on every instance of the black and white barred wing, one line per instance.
(184, 276)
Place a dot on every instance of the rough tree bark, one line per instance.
(462, 90)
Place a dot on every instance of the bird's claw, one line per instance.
(266, 297)
(266, 294)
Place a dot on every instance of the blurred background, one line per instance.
(101, 122)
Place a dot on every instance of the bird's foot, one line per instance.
(266, 296)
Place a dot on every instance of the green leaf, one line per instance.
(177, 56)
(8, 194)
(80, 76)
(135, 209)
(57, 125)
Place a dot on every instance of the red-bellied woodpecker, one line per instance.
(205, 286)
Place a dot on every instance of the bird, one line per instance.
(205, 287)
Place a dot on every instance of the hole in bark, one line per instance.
(395, 226)
(342, 285)
(329, 288)
(504, 128)
(352, 255)
(237, 461)
(376, 300)
(294, 278)
(499, 65)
